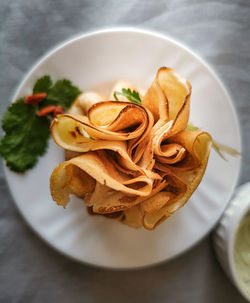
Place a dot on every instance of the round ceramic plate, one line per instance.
(135, 55)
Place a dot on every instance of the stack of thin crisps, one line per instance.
(135, 163)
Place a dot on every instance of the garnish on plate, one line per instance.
(26, 122)
(132, 96)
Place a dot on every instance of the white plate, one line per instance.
(105, 56)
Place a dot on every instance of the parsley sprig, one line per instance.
(26, 134)
(132, 96)
(61, 93)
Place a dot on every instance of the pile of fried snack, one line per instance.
(134, 163)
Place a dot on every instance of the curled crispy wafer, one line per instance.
(134, 163)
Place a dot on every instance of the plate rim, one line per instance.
(139, 30)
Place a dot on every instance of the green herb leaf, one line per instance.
(62, 93)
(115, 95)
(191, 127)
(218, 147)
(42, 85)
(131, 96)
(26, 136)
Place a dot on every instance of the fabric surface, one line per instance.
(218, 31)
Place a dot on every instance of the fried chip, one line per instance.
(66, 180)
